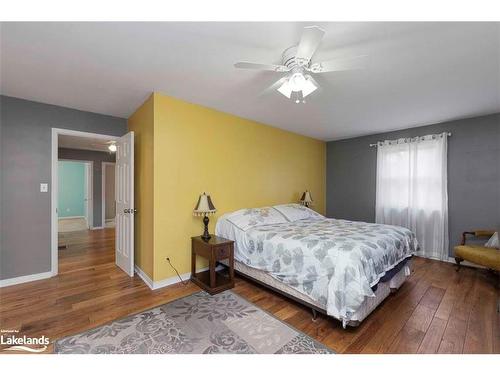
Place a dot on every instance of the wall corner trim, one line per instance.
(25, 279)
(144, 276)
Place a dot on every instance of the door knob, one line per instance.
(126, 211)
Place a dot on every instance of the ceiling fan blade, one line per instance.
(309, 42)
(336, 65)
(251, 65)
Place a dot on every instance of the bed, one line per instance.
(342, 268)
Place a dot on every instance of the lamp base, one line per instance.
(205, 236)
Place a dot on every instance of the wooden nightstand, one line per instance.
(215, 249)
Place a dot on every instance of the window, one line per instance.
(412, 190)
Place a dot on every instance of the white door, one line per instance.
(124, 196)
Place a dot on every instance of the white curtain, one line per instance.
(412, 190)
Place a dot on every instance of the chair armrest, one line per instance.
(476, 233)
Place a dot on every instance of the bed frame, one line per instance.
(314, 309)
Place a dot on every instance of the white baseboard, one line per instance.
(153, 285)
(144, 276)
(452, 260)
(25, 279)
(95, 228)
(173, 280)
(465, 263)
(70, 217)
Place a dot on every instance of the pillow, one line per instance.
(294, 212)
(251, 217)
(493, 241)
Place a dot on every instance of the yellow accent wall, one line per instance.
(240, 163)
(142, 123)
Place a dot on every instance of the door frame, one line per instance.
(89, 188)
(54, 261)
(103, 190)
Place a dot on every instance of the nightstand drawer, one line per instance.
(222, 252)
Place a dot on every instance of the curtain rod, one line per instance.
(376, 144)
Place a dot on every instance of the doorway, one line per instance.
(83, 194)
(75, 195)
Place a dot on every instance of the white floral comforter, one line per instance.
(335, 262)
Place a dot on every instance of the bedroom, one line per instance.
(334, 183)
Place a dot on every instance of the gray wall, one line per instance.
(473, 174)
(97, 157)
(25, 160)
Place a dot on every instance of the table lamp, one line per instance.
(204, 207)
(306, 199)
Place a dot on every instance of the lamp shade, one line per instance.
(306, 198)
(204, 206)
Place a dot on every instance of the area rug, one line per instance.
(199, 323)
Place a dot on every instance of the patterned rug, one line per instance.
(199, 323)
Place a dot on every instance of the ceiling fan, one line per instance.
(296, 62)
(111, 145)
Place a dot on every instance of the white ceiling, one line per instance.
(82, 143)
(417, 74)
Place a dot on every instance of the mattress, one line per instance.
(348, 281)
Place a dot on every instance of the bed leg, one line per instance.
(314, 315)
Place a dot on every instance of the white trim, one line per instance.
(71, 217)
(465, 263)
(144, 276)
(25, 279)
(53, 196)
(174, 279)
(89, 189)
(153, 285)
(452, 260)
(96, 228)
(103, 190)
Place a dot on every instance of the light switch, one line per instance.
(44, 188)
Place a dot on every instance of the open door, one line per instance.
(124, 196)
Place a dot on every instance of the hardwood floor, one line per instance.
(436, 311)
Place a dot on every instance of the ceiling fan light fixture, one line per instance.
(308, 87)
(297, 97)
(297, 87)
(297, 81)
(286, 89)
